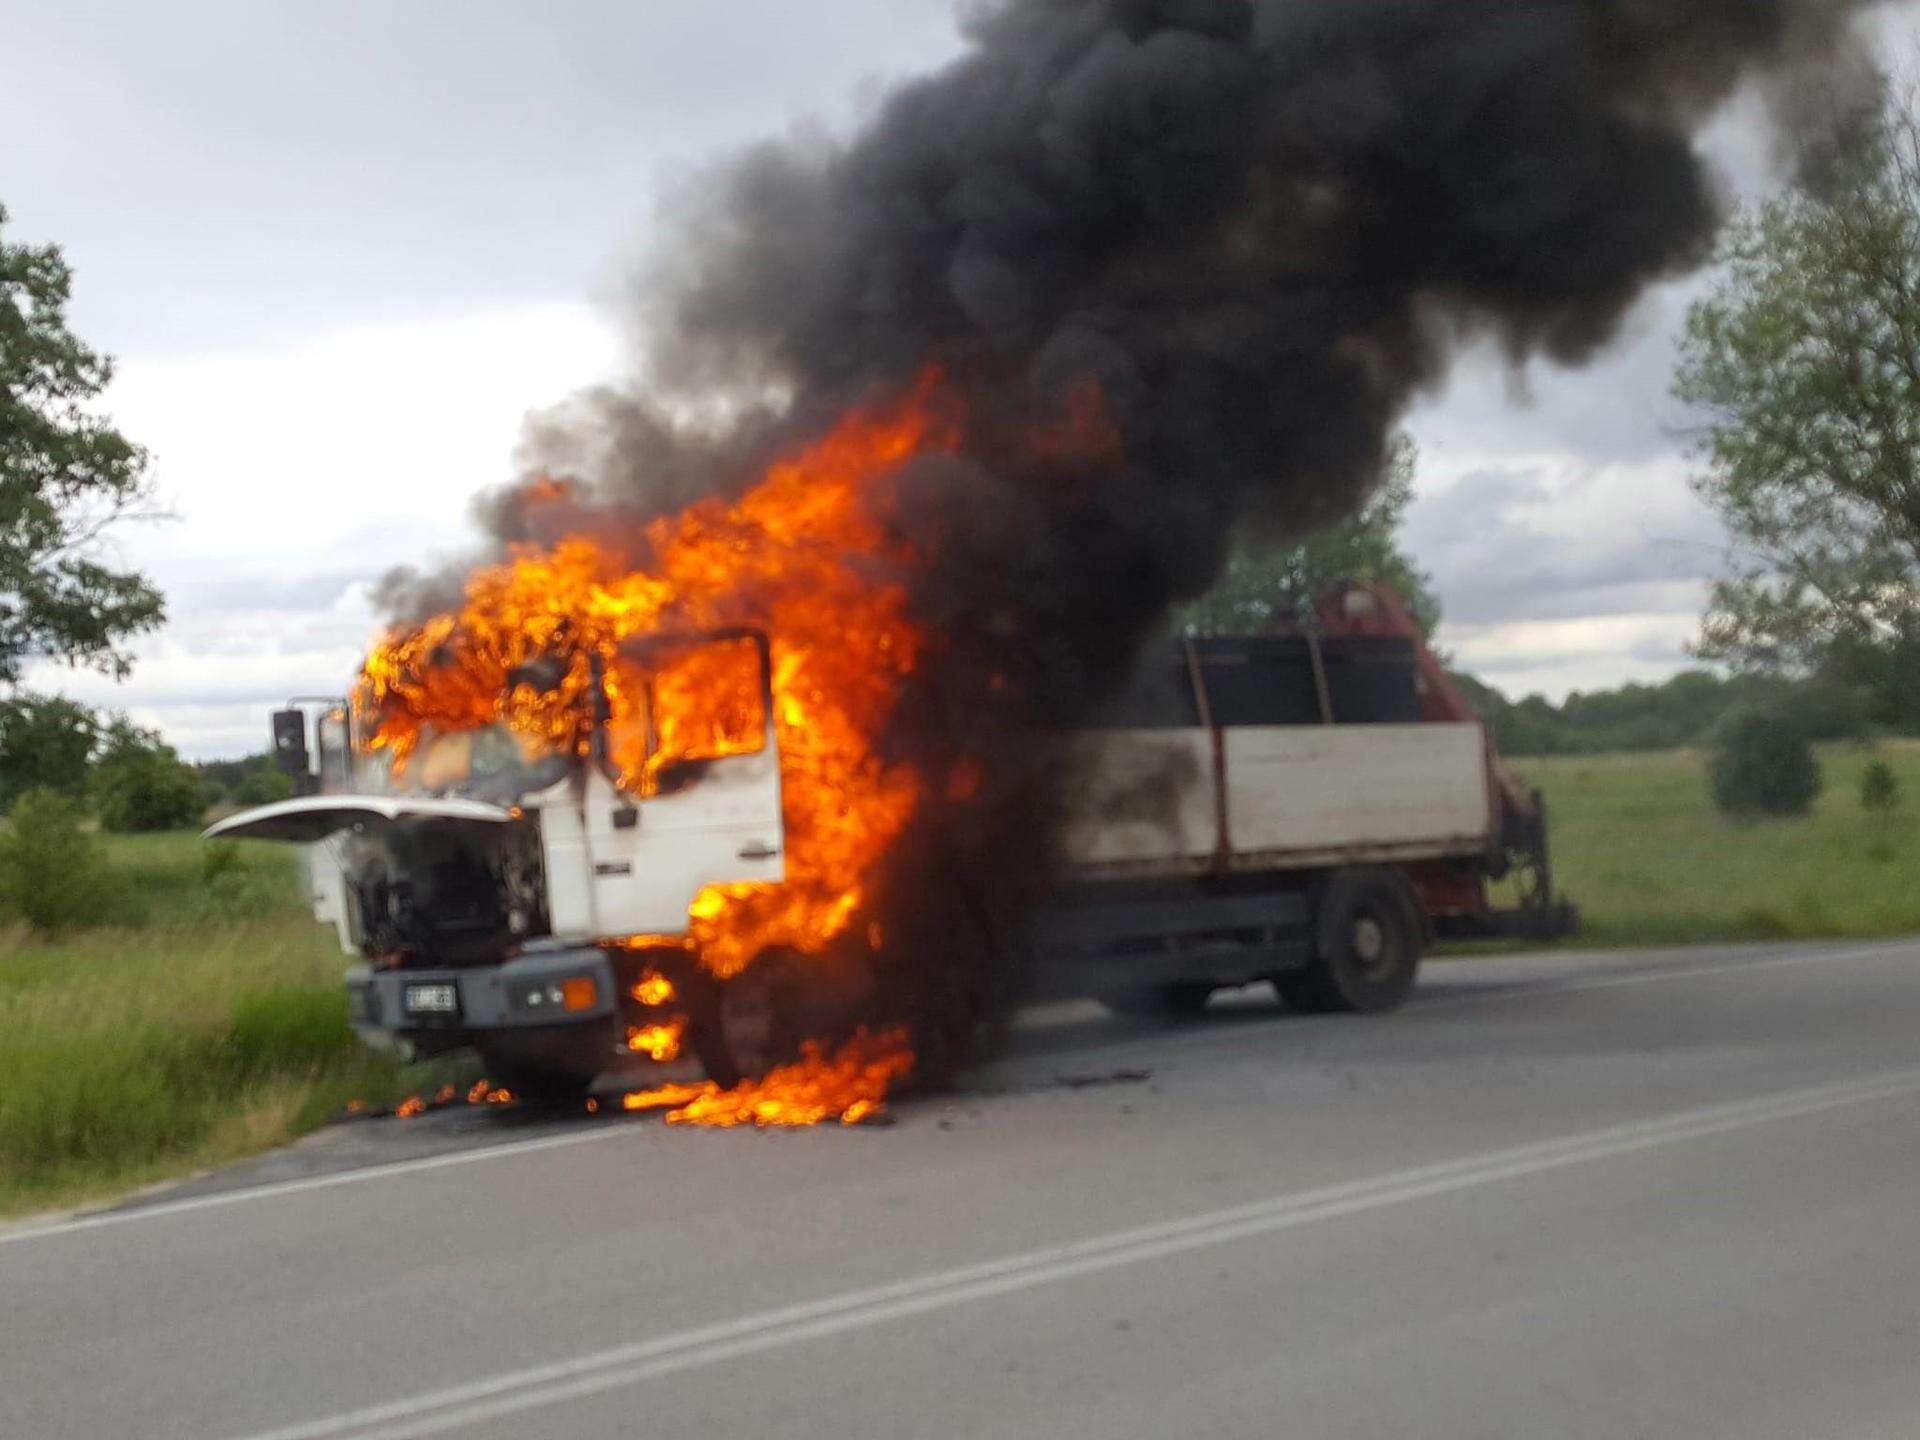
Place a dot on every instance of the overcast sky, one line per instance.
(341, 249)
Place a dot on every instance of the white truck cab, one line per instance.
(513, 904)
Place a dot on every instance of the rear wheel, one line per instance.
(1367, 937)
(1159, 1002)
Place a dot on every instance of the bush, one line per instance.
(140, 783)
(1879, 789)
(52, 874)
(46, 743)
(1763, 763)
(263, 787)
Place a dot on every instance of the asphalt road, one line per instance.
(1630, 1195)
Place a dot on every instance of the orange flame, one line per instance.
(657, 1042)
(801, 559)
(850, 1086)
(667, 1096)
(653, 989)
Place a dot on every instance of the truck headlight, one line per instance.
(570, 996)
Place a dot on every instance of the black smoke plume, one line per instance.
(1254, 230)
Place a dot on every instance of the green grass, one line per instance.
(204, 1022)
(1638, 845)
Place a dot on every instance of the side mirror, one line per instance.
(290, 745)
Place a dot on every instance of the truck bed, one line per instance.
(1241, 798)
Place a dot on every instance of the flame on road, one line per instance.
(849, 1086)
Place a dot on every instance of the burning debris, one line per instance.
(659, 1041)
(1002, 375)
(850, 1086)
(481, 1092)
(653, 990)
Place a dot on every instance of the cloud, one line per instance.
(1553, 657)
(1555, 574)
(298, 478)
(1554, 512)
(226, 174)
(1538, 536)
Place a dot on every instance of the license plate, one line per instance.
(432, 1000)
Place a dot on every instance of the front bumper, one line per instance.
(540, 990)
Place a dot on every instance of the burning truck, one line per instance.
(827, 709)
(612, 825)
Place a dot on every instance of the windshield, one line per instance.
(648, 720)
(487, 765)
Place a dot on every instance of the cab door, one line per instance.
(689, 792)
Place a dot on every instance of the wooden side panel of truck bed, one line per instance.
(1295, 796)
(1313, 788)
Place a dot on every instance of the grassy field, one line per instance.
(1638, 845)
(205, 1022)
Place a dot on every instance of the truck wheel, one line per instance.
(1367, 932)
(747, 1026)
(1158, 1002)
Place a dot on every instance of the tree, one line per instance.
(140, 783)
(51, 871)
(1680, 711)
(1879, 789)
(46, 743)
(66, 474)
(1763, 764)
(1265, 582)
(1805, 362)
(263, 787)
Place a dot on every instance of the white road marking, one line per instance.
(455, 1407)
(1577, 985)
(613, 1131)
(316, 1182)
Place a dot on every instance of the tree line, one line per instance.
(1682, 712)
(126, 775)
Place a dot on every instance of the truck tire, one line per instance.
(1367, 934)
(747, 1026)
(1159, 1002)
